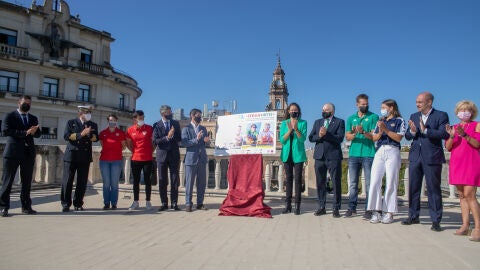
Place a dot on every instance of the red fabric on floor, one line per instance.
(245, 190)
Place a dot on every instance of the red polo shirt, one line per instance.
(141, 142)
(111, 144)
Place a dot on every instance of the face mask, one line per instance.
(384, 113)
(464, 116)
(294, 114)
(25, 107)
(112, 124)
(197, 119)
(88, 117)
(169, 117)
(326, 114)
(363, 109)
(140, 123)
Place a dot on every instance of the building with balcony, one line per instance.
(48, 54)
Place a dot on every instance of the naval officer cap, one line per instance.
(85, 108)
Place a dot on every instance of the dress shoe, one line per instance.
(410, 221)
(201, 207)
(79, 208)
(29, 211)
(175, 207)
(4, 213)
(475, 235)
(114, 207)
(188, 208)
(320, 212)
(297, 209)
(66, 209)
(336, 213)
(163, 208)
(106, 207)
(288, 208)
(436, 227)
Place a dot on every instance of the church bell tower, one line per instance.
(278, 93)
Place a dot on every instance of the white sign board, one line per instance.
(247, 133)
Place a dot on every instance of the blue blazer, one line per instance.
(328, 146)
(195, 149)
(428, 147)
(163, 145)
(18, 143)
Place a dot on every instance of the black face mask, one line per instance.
(363, 109)
(326, 114)
(25, 107)
(294, 114)
(169, 117)
(197, 119)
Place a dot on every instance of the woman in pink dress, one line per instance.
(464, 145)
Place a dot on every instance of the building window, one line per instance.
(86, 56)
(121, 101)
(50, 87)
(8, 37)
(8, 81)
(84, 93)
(277, 104)
(57, 5)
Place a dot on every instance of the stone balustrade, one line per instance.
(49, 169)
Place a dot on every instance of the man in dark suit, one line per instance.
(79, 134)
(327, 134)
(20, 127)
(194, 138)
(427, 130)
(166, 136)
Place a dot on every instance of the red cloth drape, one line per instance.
(245, 191)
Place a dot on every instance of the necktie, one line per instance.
(167, 126)
(25, 120)
(327, 122)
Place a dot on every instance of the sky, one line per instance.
(186, 53)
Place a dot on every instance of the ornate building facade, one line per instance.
(48, 54)
(278, 93)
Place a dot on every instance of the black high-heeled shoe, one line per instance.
(288, 208)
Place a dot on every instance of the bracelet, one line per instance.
(464, 135)
(451, 137)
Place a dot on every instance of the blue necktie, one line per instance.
(25, 121)
(167, 126)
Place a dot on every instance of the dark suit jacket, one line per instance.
(161, 142)
(195, 149)
(79, 149)
(18, 143)
(428, 147)
(328, 146)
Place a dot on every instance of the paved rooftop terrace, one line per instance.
(98, 239)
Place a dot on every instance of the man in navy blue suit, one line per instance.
(327, 134)
(194, 138)
(166, 136)
(427, 130)
(20, 127)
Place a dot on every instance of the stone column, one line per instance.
(181, 174)
(218, 174)
(364, 184)
(452, 191)
(406, 180)
(127, 169)
(348, 182)
(280, 178)
(422, 190)
(268, 178)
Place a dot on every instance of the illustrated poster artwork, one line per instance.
(247, 133)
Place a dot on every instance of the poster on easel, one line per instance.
(247, 133)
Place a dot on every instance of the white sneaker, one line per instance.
(134, 206)
(387, 218)
(375, 218)
(148, 205)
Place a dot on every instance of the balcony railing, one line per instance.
(85, 99)
(12, 89)
(10, 50)
(91, 67)
(48, 136)
(43, 93)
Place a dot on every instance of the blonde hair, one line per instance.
(467, 105)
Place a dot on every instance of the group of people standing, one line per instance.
(375, 146)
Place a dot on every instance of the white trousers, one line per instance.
(387, 160)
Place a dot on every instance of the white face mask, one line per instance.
(88, 117)
(140, 123)
(384, 113)
(112, 124)
(464, 116)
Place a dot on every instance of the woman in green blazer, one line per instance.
(293, 133)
